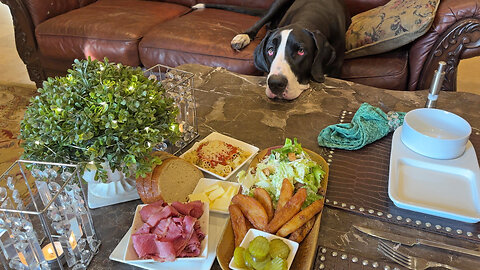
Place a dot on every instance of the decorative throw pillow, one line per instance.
(388, 27)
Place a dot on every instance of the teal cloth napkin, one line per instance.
(368, 125)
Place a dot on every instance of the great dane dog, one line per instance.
(305, 41)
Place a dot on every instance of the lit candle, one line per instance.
(49, 252)
(72, 240)
(22, 258)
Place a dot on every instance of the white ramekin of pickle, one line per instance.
(262, 250)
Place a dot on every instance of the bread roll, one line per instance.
(171, 181)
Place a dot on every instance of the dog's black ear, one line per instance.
(260, 58)
(324, 56)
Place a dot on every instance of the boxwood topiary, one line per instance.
(99, 111)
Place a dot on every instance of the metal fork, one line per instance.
(408, 261)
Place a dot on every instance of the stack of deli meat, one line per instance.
(169, 231)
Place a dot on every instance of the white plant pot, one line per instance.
(117, 189)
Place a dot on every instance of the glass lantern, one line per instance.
(178, 85)
(44, 220)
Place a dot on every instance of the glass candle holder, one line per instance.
(45, 221)
(178, 85)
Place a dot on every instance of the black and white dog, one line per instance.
(305, 40)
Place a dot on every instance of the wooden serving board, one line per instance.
(305, 256)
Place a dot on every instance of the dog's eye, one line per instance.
(270, 51)
(300, 52)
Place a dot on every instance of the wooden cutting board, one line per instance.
(305, 256)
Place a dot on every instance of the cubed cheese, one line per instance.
(199, 197)
(216, 193)
(231, 191)
(211, 188)
(221, 203)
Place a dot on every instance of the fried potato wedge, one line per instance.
(253, 210)
(239, 223)
(302, 232)
(286, 192)
(287, 211)
(301, 218)
(264, 199)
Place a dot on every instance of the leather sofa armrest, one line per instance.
(25, 40)
(454, 35)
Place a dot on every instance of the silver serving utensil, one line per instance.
(410, 262)
(411, 241)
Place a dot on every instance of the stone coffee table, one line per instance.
(236, 105)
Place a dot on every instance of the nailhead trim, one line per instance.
(400, 218)
(353, 259)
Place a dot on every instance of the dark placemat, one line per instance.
(358, 182)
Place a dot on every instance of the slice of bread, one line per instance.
(173, 180)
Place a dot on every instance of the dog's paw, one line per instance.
(198, 6)
(240, 41)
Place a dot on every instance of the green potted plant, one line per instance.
(99, 113)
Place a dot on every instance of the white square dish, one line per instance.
(252, 233)
(217, 136)
(131, 254)
(204, 183)
(444, 188)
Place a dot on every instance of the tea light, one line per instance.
(49, 252)
(22, 258)
(51, 257)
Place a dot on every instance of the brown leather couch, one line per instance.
(51, 34)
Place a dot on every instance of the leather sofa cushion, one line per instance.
(261, 4)
(388, 70)
(42, 10)
(107, 28)
(85, 2)
(201, 37)
(187, 3)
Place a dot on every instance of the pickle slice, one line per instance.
(239, 257)
(248, 260)
(277, 263)
(278, 248)
(259, 247)
(256, 264)
(261, 264)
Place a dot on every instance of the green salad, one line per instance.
(289, 161)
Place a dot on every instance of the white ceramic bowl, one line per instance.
(435, 133)
(252, 233)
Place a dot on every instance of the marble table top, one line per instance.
(236, 105)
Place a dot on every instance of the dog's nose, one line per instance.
(277, 83)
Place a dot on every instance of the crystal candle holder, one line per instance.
(44, 220)
(178, 85)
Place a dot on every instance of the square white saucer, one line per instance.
(445, 188)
